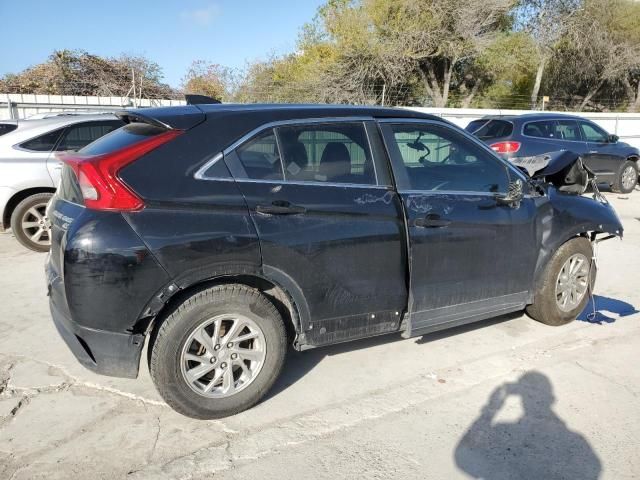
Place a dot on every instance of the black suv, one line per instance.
(517, 137)
(226, 233)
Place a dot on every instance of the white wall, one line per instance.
(625, 125)
(18, 105)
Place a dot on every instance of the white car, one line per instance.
(29, 170)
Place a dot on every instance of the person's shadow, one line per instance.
(537, 446)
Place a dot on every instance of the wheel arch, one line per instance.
(17, 198)
(278, 295)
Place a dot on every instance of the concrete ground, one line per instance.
(503, 399)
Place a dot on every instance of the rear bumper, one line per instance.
(107, 353)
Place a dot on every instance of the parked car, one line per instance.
(522, 136)
(29, 171)
(223, 233)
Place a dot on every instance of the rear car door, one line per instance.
(601, 156)
(330, 223)
(470, 256)
(76, 136)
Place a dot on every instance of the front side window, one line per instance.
(436, 158)
(331, 152)
(43, 143)
(593, 133)
(543, 129)
(82, 134)
(260, 157)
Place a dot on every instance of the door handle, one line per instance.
(280, 207)
(431, 221)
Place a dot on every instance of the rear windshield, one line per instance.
(118, 139)
(485, 129)
(7, 127)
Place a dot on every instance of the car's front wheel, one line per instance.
(219, 352)
(29, 223)
(627, 178)
(563, 292)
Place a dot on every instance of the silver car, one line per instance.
(29, 170)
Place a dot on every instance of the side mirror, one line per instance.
(514, 195)
(613, 139)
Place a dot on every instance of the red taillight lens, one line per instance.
(97, 175)
(505, 147)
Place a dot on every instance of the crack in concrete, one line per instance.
(610, 380)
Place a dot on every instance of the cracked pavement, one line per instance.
(505, 398)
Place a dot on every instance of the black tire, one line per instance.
(545, 308)
(23, 235)
(618, 186)
(170, 336)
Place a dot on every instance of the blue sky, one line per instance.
(172, 33)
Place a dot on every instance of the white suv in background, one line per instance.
(29, 170)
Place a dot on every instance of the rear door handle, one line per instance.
(280, 207)
(432, 221)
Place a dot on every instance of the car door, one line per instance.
(76, 136)
(569, 136)
(602, 156)
(471, 257)
(330, 224)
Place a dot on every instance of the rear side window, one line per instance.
(7, 127)
(260, 157)
(43, 143)
(80, 135)
(332, 152)
(542, 129)
(120, 138)
(488, 129)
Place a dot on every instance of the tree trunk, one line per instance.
(467, 100)
(589, 96)
(536, 85)
(633, 96)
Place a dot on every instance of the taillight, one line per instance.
(98, 178)
(505, 147)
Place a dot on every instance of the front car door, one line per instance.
(470, 256)
(602, 156)
(330, 223)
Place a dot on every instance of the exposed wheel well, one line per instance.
(274, 293)
(17, 198)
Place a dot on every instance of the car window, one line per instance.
(260, 157)
(43, 143)
(438, 158)
(487, 129)
(593, 133)
(541, 129)
(567, 130)
(82, 134)
(7, 127)
(331, 152)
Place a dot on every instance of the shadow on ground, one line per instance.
(607, 310)
(538, 445)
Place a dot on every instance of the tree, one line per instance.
(76, 72)
(546, 21)
(210, 79)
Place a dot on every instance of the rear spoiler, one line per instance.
(170, 118)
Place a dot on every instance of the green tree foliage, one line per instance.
(210, 79)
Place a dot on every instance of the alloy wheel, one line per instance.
(572, 282)
(223, 355)
(36, 226)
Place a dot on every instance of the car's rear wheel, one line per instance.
(627, 178)
(29, 223)
(564, 290)
(219, 352)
